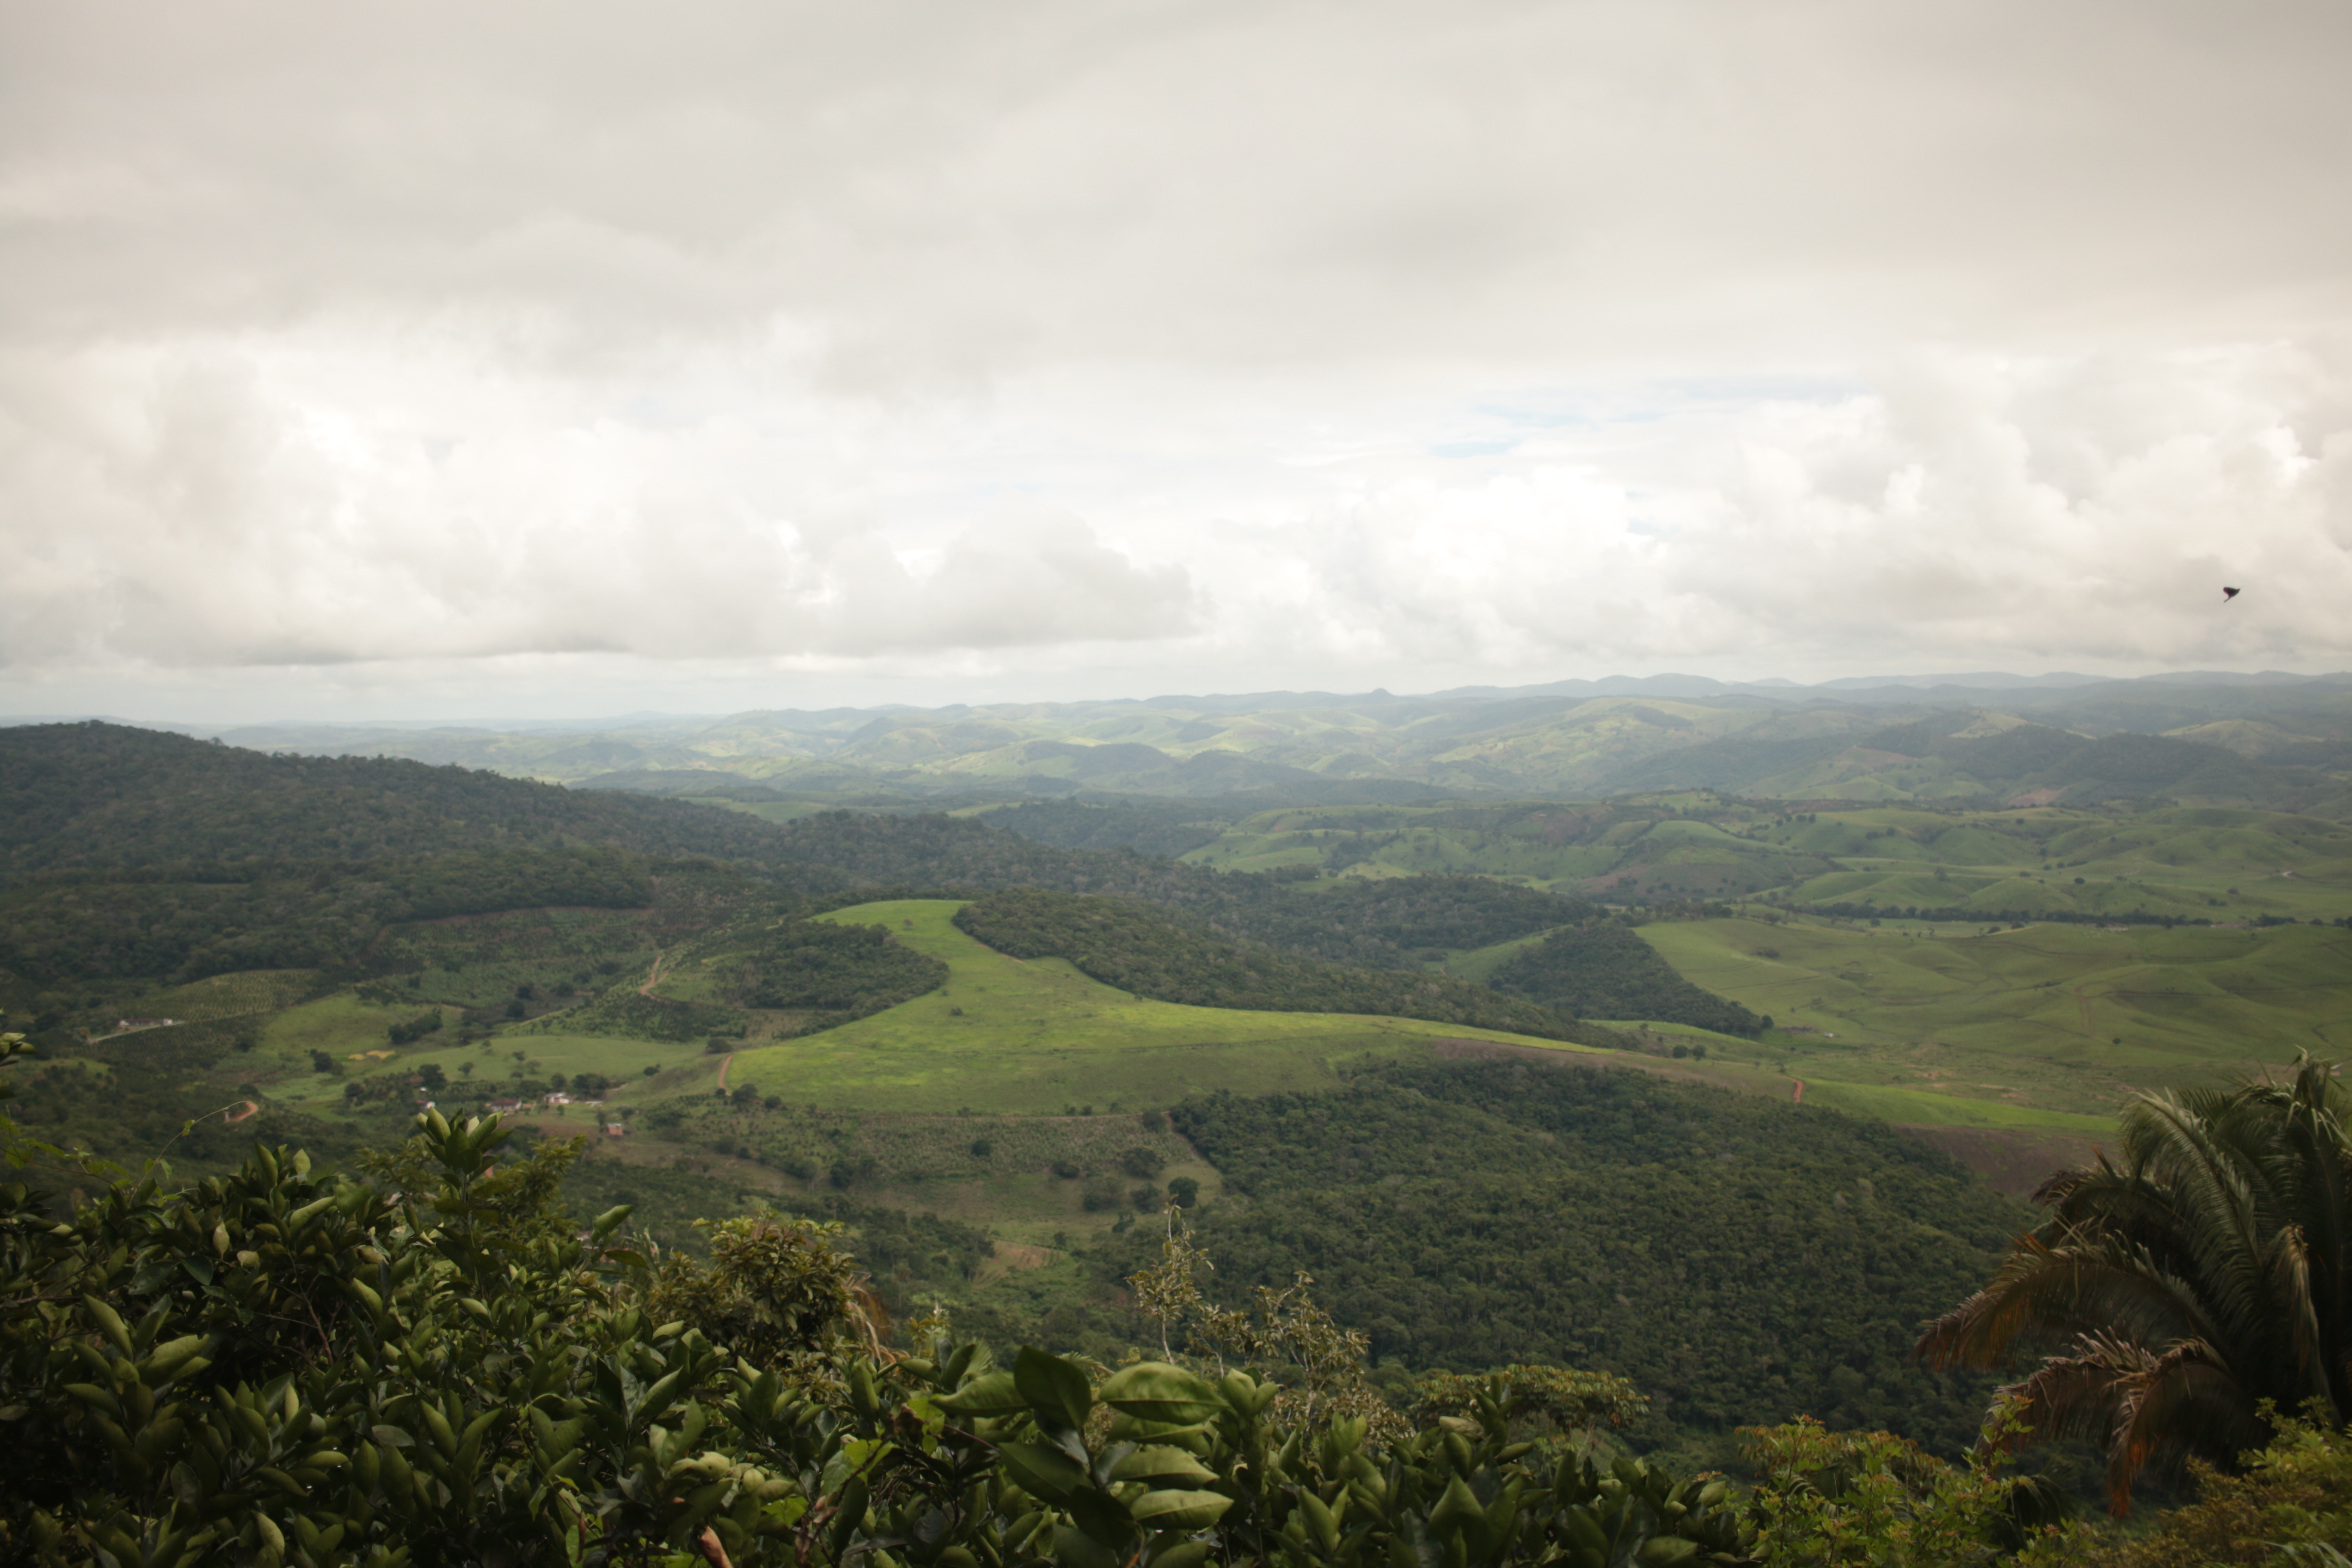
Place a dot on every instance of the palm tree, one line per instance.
(2203, 1278)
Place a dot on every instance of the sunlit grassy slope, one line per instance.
(2188, 862)
(1007, 1035)
(2050, 1017)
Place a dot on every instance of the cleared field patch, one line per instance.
(336, 1025)
(1038, 1038)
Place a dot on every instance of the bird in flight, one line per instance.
(2228, 594)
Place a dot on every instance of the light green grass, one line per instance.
(2191, 862)
(1920, 1107)
(336, 1025)
(2030, 1018)
(624, 1060)
(1035, 1038)
(1712, 1039)
(343, 1027)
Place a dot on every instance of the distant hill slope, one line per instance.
(2273, 742)
(134, 853)
(109, 797)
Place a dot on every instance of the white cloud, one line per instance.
(1005, 349)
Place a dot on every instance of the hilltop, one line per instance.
(2274, 742)
(106, 797)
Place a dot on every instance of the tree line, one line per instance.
(436, 1365)
(1602, 969)
(1131, 945)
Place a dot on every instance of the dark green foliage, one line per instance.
(1386, 923)
(934, 850)
(416, 1028)
(182, 925)
(1740, 1261)
(106, 795)
(1146, 826)
(1389, 922)
(843, 972)
(1137, 948)
(270, 1368)
(1602, 970)
(168, 1108)
(2187, 1288)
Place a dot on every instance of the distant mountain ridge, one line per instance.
(2270, 739)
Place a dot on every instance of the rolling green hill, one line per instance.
(2278, 743)
(2050, 1018)
(1137, 948)
(2188, 862)
(106, 797)
(1036, 1036)
(1740, 1261)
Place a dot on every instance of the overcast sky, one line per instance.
(438, 359)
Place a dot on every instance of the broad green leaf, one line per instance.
(1179, 1509)
(1046, 1472)
(1157, 1392)
(1162, 1464)
(992, 1394)
(1055, 1390)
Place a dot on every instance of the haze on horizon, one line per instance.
(573, 359)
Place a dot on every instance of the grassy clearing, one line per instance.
(1038, 1038)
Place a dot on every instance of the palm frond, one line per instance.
(2203, 1268)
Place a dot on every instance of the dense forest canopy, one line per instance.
(111, 797)
(1739, 1261)
(1135, 947)
(1602, 970)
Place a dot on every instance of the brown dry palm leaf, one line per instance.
(2183, 1288)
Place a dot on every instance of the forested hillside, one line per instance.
(1138, 948)
(2276, 743)
(1602, 970)
(110, 797)
(87, 925)
(1384, 924)
(1741, 1260)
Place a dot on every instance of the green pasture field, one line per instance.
(2060, 1019)
(1004, 1035)
(1924, 1108)
(338, 1024)
(1717, 1042)
(2189, 862)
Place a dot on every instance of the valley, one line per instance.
(995, 1042)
